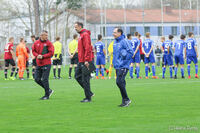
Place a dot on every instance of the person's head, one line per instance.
(171, 37)
(157, 46)
(78, 26)
(136, 34)
(129, 37)
(162, 39)
(22, 40)
(58, 38)
(191, 35)
(99, 37)
(11, 39)
(33, 38)
(117, 32)
(147, 35)
(75, 36)
(182, 37)
(139, 35)
(44, 35)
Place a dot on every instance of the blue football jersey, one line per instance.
(135, 43)
(147, 45)
(190, 44)
(167, 44)
(99, 47)
(179, 47)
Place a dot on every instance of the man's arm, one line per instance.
(150, 50)
(195, 47)
(87, 47)
(136, 50)
(34, 52)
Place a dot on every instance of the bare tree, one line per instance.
(37, 17)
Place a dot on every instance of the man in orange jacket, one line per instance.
(22, 55)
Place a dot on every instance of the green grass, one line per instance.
(157, 106)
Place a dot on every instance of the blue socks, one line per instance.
(131, 71)
(154, 70)
(97, 71)
(182, 72)
(188, 69)
(164, 70)
(175, 70)
(102, 71)
(146, 70)
(196, 69)
(171, 71)
(138, 71)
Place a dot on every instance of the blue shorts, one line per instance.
(179, 59)
(192, 59)
(150, 59)
(136, 59)
(100, 60)
(168, 60)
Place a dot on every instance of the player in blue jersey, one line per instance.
(147, 48)
(178, 55)
(100, 56)
(168, 55)
(136, 55)
(191, 54)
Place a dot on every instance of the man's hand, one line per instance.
(71, 56)
(197, 55)
(147, 55)
(39, 56)
(87, 64)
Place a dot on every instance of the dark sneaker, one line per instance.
(59, 78)
(175, 77)
(93, 95)
(85, 100)
(70, 77)
(54, 77)
(44, 98)
(125, 103)
(183, 77)
(50, 92)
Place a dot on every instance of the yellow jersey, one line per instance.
(73, 46)
(57, 49)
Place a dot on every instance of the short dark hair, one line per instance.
(190, 34)
(136, 33)
(33, 36)
(75, 36)
(182, 36)
(128, 36)
(57, 38)
(45, 31)
(37, 38)
(139, 35)
(171, 36)
(119, 30)
(99, 37)
(79, 24)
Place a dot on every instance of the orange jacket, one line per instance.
(21, 51)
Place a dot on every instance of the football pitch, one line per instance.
(158, 106)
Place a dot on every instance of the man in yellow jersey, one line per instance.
(110, 50)
(73, 52)
(57, 58)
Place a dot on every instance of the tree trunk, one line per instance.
(37, 17)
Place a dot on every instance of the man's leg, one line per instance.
(131, 70)
(121, 83)
(54, 70)
(59, 71)
(70, 71)
(146, 69)
(16, 72)
(38, 76)
(138, 70)
(45, 79)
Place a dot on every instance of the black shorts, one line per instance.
(9, 61)
(57, 62)
(142, 57)
(27, 64)
(34, 63)
(74, 60)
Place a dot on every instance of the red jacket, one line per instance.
(44, 48)
(84, 46)
(140, 47)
